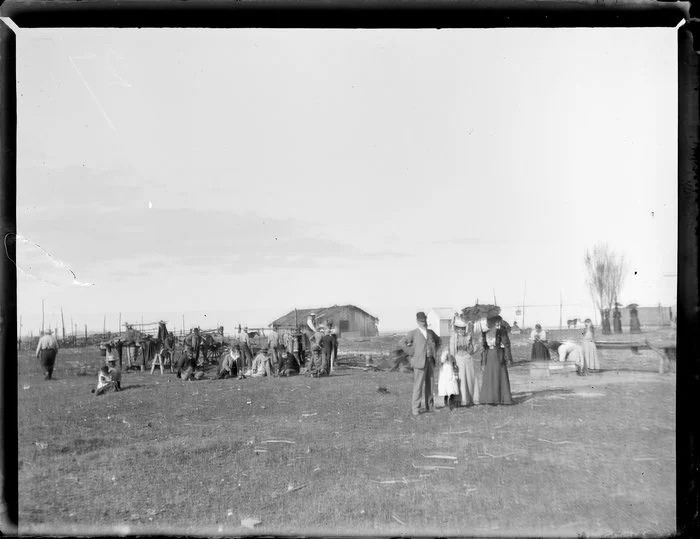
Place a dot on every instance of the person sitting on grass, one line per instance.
(314, 368)
(104, 382)
(261, 364)
(114, 371)
(289, 366)
(229, 365)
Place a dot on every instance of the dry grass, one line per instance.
(591, 455)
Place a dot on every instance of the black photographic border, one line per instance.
(379, 14)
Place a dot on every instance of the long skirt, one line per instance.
(468, 384)
(590, 355)
(539, 352)
(495, 386)
(48, 359)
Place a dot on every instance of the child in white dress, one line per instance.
(447, 382)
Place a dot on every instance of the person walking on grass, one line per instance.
(421, 345)
(46, 351)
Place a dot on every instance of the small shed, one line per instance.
(440, 321)
(351, 321)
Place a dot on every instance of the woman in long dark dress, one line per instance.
(495, 385)
(538, 337)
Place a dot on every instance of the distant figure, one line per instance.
(115, 373)
(538, 338)
(46, 352)
(229, 364)
(515, 329)
(606, 322)
(617, 320)
(273, 343)
(422, 345)
(314, 361)
(335, 333)
(104, 382)
(496, 354)
(244, 343)
(131, 348)
(635, 326)
(311, 322)
(119, 347)
(571, 351)
(590, 353)
(261, 364)
(194, 343)
(168, 351)
(148, 351)
(289, 366)
(326, 342)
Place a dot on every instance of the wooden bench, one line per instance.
(665, 352)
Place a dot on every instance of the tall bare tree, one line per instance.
(606, 274)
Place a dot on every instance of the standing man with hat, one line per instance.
(46, 351)
(421, 345)
(244, 342)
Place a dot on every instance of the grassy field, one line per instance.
(575, 455)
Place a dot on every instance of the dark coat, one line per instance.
(420, 348)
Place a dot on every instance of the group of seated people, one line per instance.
(233, 364)
(583, 354)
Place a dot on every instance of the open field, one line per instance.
(592, 455)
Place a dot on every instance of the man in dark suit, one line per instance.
(421, 345)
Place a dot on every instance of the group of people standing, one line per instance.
(486, 339)
(584, 354)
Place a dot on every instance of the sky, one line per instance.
(229, 176)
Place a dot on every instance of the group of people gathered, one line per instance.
(309, 349)
(485, 340)
(583, 354)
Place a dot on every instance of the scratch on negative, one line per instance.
(55, 262)
(99, 105)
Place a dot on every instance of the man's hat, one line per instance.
(459, 323)
(420, 315)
